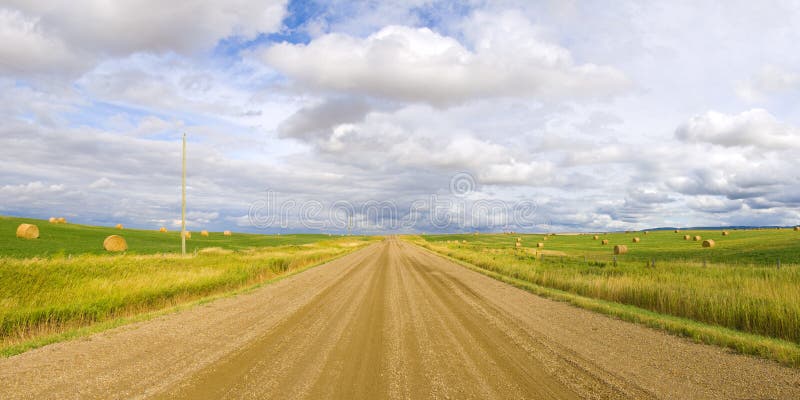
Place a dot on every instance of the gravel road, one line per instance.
(389, 321)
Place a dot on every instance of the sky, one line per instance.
(401, 116)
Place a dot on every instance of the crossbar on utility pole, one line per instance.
(183, 198)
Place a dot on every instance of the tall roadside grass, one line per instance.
(762, 301)
(47, 296)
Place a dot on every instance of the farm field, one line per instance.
(64, 283)
(734, 294)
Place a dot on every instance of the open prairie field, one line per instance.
(734, 294)
(62, 282)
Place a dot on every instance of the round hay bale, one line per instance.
(27, 231)
(544, 238)
(119, 226)
(676, 231)
(61, 220)
(708, 243)
(187, 234)
(115, 243)
(725, 233)
(53, 220)
(687, 237)
(595, 237)
(463, 242)
(605, 241)
(797, 228)
(226, 233)
(162, 229)
(645, 232)
(204, 233)
(636, 240)
(697, 238)
(540, 244)
(620, 249)
(519, 239)
(518, 245)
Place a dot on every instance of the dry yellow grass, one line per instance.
(27, 231)
(115, 243)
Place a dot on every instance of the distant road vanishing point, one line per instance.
(389, 321)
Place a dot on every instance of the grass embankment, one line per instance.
(720, 295)
(55, 296)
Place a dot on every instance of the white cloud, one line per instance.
(57, 36)
(768, 81)
(755, 127)
(102, 183)
(507, 59)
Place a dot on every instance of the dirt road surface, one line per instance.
(389, 321)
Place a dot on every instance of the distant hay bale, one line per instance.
(463, 242)
(676, 231)
(595, 237)
(797, 228)
(204, 233)
(163, 229)
(187, 234)
(620, 249)
(53, 220)
(636, 240)
(115, 243)
(518, 244)
(645, 232)
(519, 239)
(725, 233)
(119, 226)
(697, 238)
(540, 244)
(708, 243)
(27, 231)
(61, 220)
(687, 237)
(544, 238)
(605, 241)
(226, 233)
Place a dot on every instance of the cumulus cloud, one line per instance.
(756, 127)
(506, 58)
(58, 36)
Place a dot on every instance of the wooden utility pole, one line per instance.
(183, 199)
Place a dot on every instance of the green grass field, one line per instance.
(65, 282)
(736, 285)
(66, 239)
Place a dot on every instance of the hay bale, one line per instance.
(119, 226)
(162, 229)
(620, 249)
(540, 245)
(687, 237)
(708, 243)
(676, 231)
(53, 220)
(645, 232)
(187, 234)
(697, 238)
(519, 239)
(463, 242)
(61, 220)
(204, 233)
(544, 238)
(636, 240)
(725, 233)
(226, 233)
(605, 241)
(115, 243)
(595, 237)
(797, 228)
(27, 231)
(518, 244)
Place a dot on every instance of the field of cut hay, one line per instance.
(746, 280)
